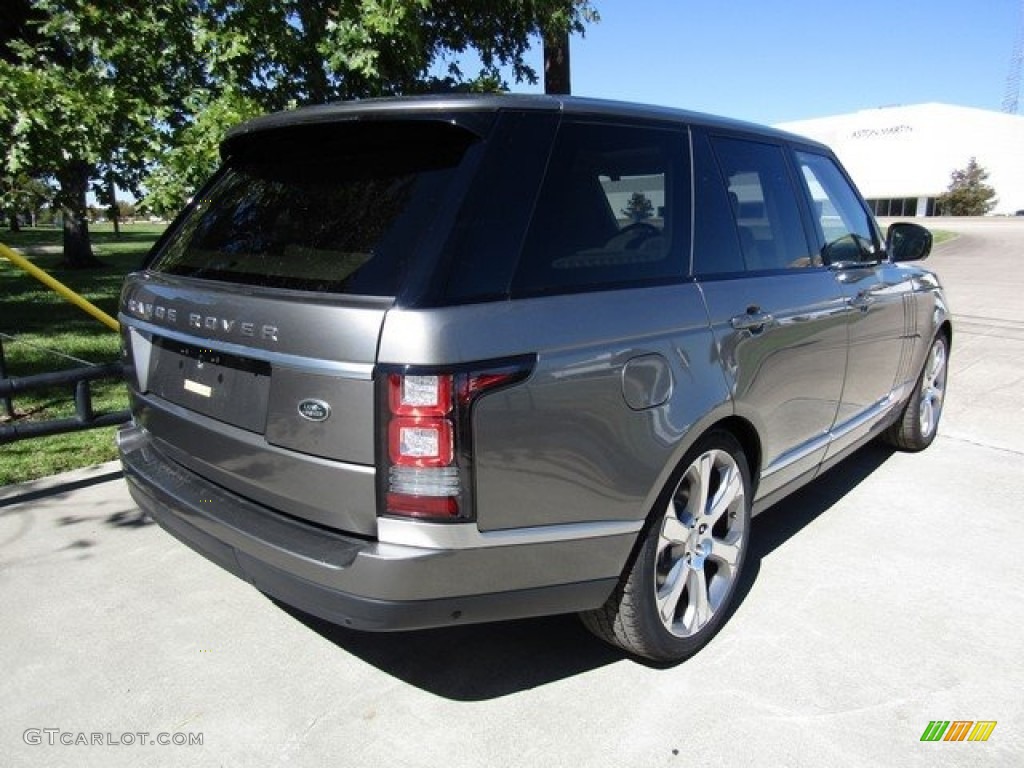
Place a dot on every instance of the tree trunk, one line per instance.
(556, 63)
(74, 183)
(14, 223)
(115, 212)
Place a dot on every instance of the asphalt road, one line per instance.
(882, 597)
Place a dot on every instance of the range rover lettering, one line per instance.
(417, 362)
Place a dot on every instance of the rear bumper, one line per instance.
(362, 583)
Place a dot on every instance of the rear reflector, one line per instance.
(419, 506)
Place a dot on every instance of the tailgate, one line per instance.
(266, 393)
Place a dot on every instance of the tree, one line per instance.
(639, 207)
(86, 87)
(103, 94)
(184, 164)
(266, 55)
(21, 195)
(968, 194)
(294, 52)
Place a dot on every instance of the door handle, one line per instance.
(861, 301)
(753, 320)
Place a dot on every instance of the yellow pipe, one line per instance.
(55, 285)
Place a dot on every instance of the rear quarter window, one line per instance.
(334, 208)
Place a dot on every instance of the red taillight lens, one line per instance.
(420, 442)
(419, 395)
(478, 383)
(425, 453)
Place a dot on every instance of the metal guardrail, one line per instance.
(78, 378)
(84, 418)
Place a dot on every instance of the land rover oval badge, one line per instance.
(314, 410)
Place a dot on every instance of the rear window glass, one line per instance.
(337, 208)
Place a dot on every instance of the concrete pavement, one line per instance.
(882, 597)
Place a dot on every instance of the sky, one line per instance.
(773, 61)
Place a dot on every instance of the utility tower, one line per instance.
(1012, 95)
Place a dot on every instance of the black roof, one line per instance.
(459, 108)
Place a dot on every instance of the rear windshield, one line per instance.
(337, 208)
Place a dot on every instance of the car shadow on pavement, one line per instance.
(781, 522)
(487, 661)
(475, 662)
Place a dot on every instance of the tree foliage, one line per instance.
(183, 164)
(968, 194)
(86, 88)
(138, 95)
(267, 55)
(22, 195)
(639, 207)
(292, 52)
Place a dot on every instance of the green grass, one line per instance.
(40, 320)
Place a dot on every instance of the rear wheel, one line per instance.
(918, 424)
(680, 586)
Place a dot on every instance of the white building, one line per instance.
(902, 157)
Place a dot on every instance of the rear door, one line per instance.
(776, 311)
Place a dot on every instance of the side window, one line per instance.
(764, 205)
(845, 227)
(606, 215)
(716, 249)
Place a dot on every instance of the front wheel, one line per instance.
(677, 593)
(918, 424)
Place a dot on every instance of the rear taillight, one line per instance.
(426, 437)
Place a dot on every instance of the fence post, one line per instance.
(83, 402)
(7, 401)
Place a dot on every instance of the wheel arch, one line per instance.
(740, 428)
(624, 620)
(749, 441)
(946, 329)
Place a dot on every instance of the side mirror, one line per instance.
(908, 242)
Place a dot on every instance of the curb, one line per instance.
(62, 483)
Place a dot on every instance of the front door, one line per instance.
(879, 305)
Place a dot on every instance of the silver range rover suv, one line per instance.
(417, 362)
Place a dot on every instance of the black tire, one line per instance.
(919, 422)
(678, 590)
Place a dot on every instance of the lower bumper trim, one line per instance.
(226, 534)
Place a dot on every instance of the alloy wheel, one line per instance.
(700, 544)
